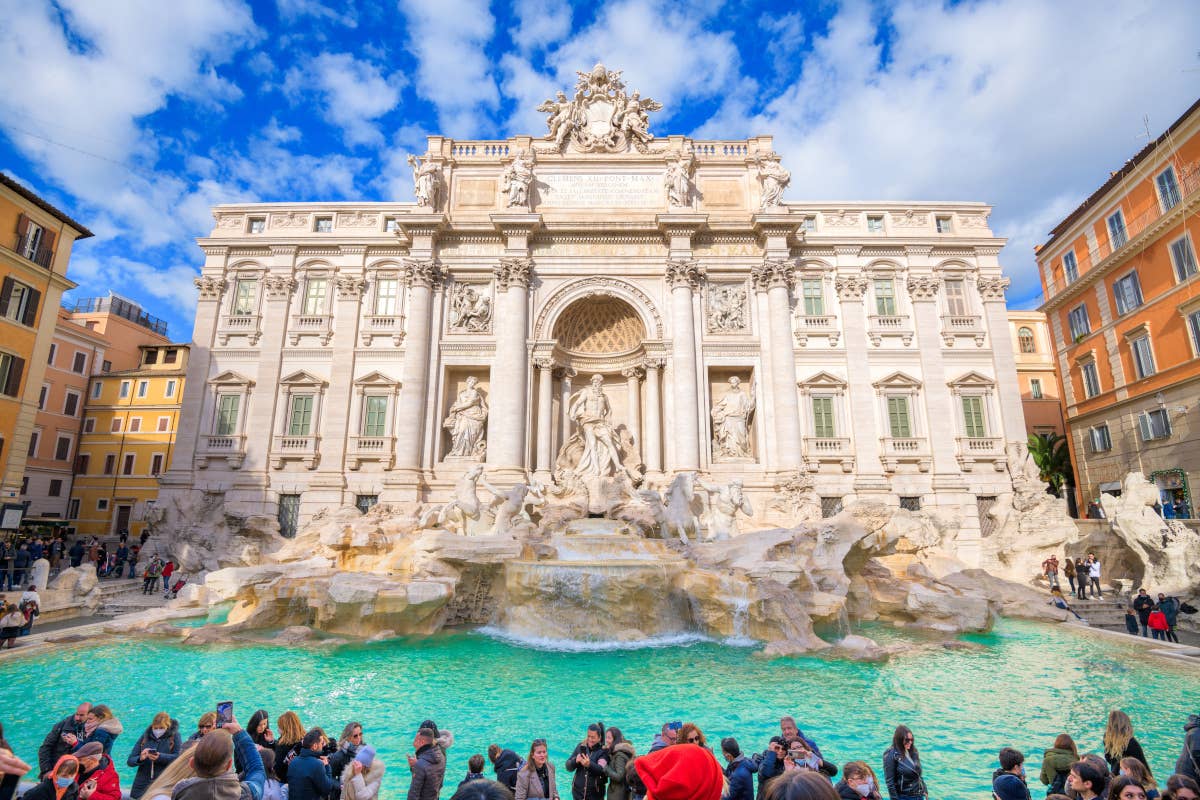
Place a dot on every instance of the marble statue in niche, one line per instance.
(731, 422)
(465, 422)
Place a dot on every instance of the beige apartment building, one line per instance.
(1037, 378)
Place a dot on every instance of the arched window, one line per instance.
(1025, 337)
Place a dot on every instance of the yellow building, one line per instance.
(35, 246)
(129, 425)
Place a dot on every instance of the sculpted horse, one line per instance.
(675, 516)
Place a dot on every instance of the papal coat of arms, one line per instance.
(601, 117)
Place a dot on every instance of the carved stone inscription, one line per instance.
(601, 191)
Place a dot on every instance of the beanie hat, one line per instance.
(90, 750)
(365, 755)
(681, 772)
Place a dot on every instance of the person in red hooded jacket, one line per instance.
(1158, 624)
(98, 779)
(680, 772)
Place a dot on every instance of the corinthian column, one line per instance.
(652, 451)
(632, 376)
(683, 276)
(420, 276)
(545, 370)
(510, 371)
(774, 277)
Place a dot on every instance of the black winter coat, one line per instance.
(53, 747)
(427, 774)
(589, 781)
(46, 790)
(770, 766)
(1189, 760)
(169, 746)
(506, 765)
(1132, 750)
(902, 776)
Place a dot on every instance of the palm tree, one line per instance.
(1053, 458)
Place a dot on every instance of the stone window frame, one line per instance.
(1072, 274)
(1141, 332)
(976, 384)
(317, 270)
(901, 384)
(825, 384)
(1116, 211)
(229, 383)
(387, 269)
(1186, 309)
(1118, 293)
(234, 277)
(1158, 195)
(375, 384)
(1091, 438)
(301, 382)
(1191, 245)
(896, 273)
(1086, 359)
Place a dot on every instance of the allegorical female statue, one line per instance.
(731, 422)
(465, 422)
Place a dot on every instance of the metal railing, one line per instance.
(118, 307)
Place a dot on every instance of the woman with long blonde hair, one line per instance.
(178, 770)
(1119, 741)
(289, 731)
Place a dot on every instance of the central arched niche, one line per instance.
(599, 325)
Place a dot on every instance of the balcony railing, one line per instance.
(383, 325)
(975, 449)
(311, 325)
(371, 448)
(232, 448)
(816, 325)
(889, 325)
(965, 325)
(828, 450)
(239, 325)
(119, 307)
(286, 448)
(31, 248)
(905, 450)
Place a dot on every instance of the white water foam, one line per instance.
(578, 646)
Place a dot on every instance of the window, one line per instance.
(943, 224)
(244, 297)
(257, 224)
(898, 419)
(102, 504)
(33, 444)
(374, 416)
(82, 463)
(910, 503)
(89, 425)
(106, 366)
(170, 391)
(31, 242)
(110, 464)
(1143, 356)
(42, 398)
(127, 466)
(314, 296)
(96, 387)
(390, 225)
(885, 297)
(1128, 293)
(116, 425)
(156, 463)
(301, 416)
(11, 368)
(55, 489)
(1070, 266)
(164, 424)
(1154, 424)
(973, 424)
(363, 502)
(830, 507)
(150, 357)
(387, 296)
(956, 298)
(1183, 256)
(19, 302)
(1101, 440)
(1035, 388)
(73, 508)
(1028, 343)
(124, 389)
(808, 224)
(324, 225)
(289, 514)
(814, 297)
(227, 414)
(135, 424)
(53, 352)
(71, 404)
(1077, 321)
(823, 424)
(1117, 235)
(170, 356)
(143, 388)
(1091, 379)
(1168, 188)
(1194, 326)
(874, 224)
(62, 449)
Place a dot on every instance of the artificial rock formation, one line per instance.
(1165, 550)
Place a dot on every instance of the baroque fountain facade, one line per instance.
(603, 374)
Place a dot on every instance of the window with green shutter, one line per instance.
(227, 414)
(885, 297)
(301, 419)
(973, 417)
(823, 427)
(898, 422)
(814, 297)
(374, 416)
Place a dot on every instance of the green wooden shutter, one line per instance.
(301, 415)
(898, 417)
(973, 417)
(376, 412)
(823, 427)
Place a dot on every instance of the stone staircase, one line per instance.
(1106, 612)
(124, 595)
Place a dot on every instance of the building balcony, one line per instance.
(295, 448)
(320, 325)
(881, 325)
(968, 326)
(247, 325)
(371, 448)
(907, 450)
(820, 325)
(974, 450)
(820, 450)
(230, 448)
(383, 325)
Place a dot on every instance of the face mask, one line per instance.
(863, 789)
(64, 782)
(812, 762)
(158, 732)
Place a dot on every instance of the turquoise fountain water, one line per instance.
(1030, 683)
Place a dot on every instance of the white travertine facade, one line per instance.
(334, 342)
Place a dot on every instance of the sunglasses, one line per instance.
(693, 740)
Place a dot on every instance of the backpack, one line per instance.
(1187, 608)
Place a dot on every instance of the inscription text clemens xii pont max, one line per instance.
(612, 190)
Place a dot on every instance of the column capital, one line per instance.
(654, 362)
(210, 288)
(924, 287)
(279, 287)
(566, 373)
(992, 289)
(544, 363)
(684, 273)
(350, 287)
(422, 272)
(773, 273)
(513, 272)
(850, 287)
(633, 372)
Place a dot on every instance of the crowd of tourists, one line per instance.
(221, 760)
(1144, 615)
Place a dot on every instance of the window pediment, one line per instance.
(972, 380)
(304, 378)
(897, 380)
(823, 380)
(1137, 331)
(377, 380)
(231, 378)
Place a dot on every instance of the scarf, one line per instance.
(89, 727)
(544, 776)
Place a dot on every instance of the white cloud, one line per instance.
(354, 92)
(293, 10)
(171, 285)
(448, 39)
(540, 23)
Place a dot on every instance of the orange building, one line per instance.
(1037, 377)
(35, 247)
(1120, 275)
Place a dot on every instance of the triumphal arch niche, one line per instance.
(595, 309)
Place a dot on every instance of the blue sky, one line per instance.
(136, 116)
